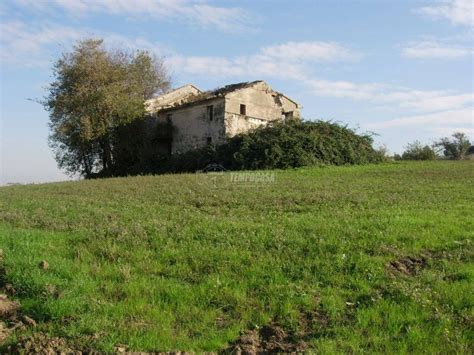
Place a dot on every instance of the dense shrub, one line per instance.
(454, 147)
(416, 151)
(281, 146)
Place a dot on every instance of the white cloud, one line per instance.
(36, 45)
(26, 46)
(255, 66)
(196, 12)
(207, 66)
(426, 126)
(459, 12)
(309, 51)
(294, 61)
(433, 49)
(344, 89)
(290, 60)
(438, 120)
(436, 124)
(440, 102)
(272, 62)
(397, 96)
(375, 92)
(447, 131)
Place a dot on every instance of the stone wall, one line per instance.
(236, 111)
(193, 126)
(236, 123)
(262, 105)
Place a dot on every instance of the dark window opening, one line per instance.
(243, 109)
(210, 112)
(209, 140)
(168, 118)
(288, 115)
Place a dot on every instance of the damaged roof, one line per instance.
(233, 87)
(192, 99)
(172, 98)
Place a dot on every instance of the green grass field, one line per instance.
(374, 258)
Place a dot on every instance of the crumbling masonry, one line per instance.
(199, 118)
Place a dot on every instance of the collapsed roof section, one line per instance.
(189, 94)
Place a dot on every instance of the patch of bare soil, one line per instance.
(40, 343)
(269, 338)
(9, 309)
(409, 265)
(412, 265)
(273, 338)
(8, 317)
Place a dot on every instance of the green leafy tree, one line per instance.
(454, 147)
(416, 151)
(95, 92)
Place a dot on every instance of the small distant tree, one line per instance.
(383, 151)
(416, 151)
(454, 147)
(96, 91)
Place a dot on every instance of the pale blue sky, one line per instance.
(403, 69)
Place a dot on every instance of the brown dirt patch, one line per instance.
(269, 338)
(409, 265)
(11, 319)
(412, 265)
(40, 343)
(8, 308)
(273, 338)
(8, 317)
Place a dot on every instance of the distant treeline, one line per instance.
(456, 147)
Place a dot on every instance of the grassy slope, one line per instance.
(168, 262)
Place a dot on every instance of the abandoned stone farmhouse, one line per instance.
(200, 118)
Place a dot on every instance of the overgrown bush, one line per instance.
(416, 151)
(454, 147)
(281, 146)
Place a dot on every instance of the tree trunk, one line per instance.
(106, 156)
(86, 164)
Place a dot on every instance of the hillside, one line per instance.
(360, 258)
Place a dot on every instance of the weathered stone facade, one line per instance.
(200, 118)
